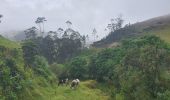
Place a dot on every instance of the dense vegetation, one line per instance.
(12, 73)
(52, 47)
(117, 36)
(138, 69)
(15, 77)
(158, 26)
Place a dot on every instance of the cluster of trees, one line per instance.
(116, 36)
(116, 32)
(24, 67)
(16, 78)
(55, 46)
(40, 22)
(138, 69)
(116, 24)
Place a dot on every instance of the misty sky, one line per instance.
(84, 14)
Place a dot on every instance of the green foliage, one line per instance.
(53, 49)
(78, 68)
(161, 31)
(59, 70)
(101, 65)
(83, 92)
(164, 96)
(68, 48)
(30, 50)
(8, 44)
(12, 74)
(18, 82)
(31, 33)
(41, 67)
(137, 68)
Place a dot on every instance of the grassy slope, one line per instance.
(162, 33)
(7, 43)
(83, 92)
(41, 90)
(159, 26)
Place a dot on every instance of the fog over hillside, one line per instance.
(85, 14)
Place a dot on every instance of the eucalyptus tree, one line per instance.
(65, 35)
(40, 22)
(87, 37)
(1, 17)
(53, 34)
(94, 34)
(119, 22)
(116, 24)
(69, 24)
(31, 33)
(60, 32)
(83, 40)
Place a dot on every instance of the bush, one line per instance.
(41, 67)
(78, 68)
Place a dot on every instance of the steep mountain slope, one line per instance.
(159, 26)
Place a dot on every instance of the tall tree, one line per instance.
(53, 34)
(83, 40)
(119, 22)
(94, 34)
(65, 35)
(87, 38)
(40, 22)
(69, 24)
(69, 30)
(60, 32)
(50, 48)
(1, 17)
(30, 50)
(31, 33)
(116, 24)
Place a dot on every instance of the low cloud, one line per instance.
(84, 14)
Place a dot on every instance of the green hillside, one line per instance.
(7, 43)
(159, 26)
(134, 67)
(33, 85)
(83, 92)
(163, 33)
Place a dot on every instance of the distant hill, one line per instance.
(159, 26)
(157, 22)
(20, 36)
